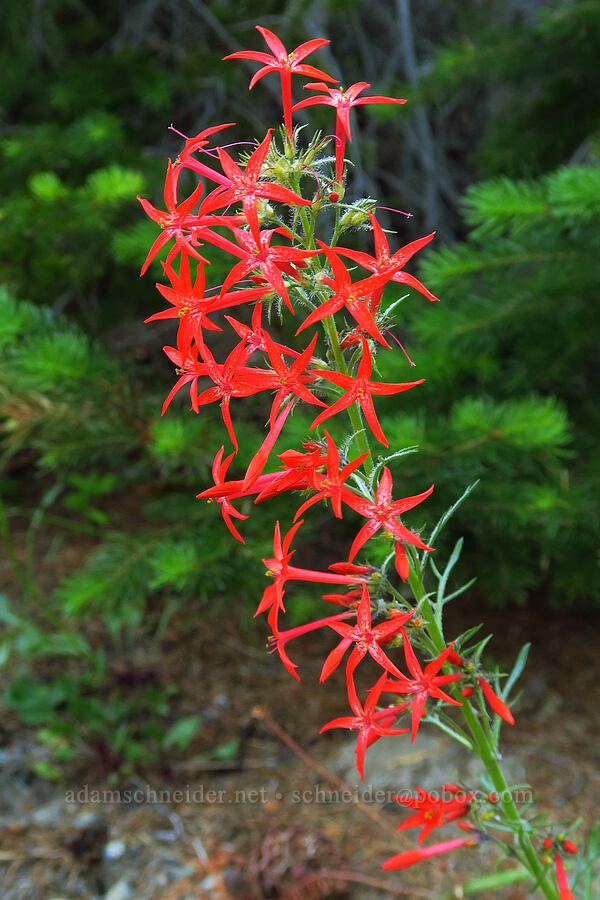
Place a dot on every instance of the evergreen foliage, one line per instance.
(68, 411)
(548, 105)
(515, 337)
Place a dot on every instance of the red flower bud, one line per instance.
(452, 788)
(497, 704)
(410, 857)
(570, 847)
(346, 568)
(467, 691)
(334, 197)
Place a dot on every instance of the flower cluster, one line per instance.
(269, 212)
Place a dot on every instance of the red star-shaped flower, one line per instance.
(393, 263)
(360, 389)
(190, 369)
(348, 295)
(176, 222)
(290, 380)
(384, 513)
(280, 569)
(424, 683)
(271, 260)
(343, 101)
(366, 638)
(244, 185)
(286, 64)
(191, 306)
(255, 335)
(370, 724)
(432, 810)
(230, 379)
(331, 485)
(219, 471)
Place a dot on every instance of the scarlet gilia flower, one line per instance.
(424, 683)
(190, 305)
(366, 638)
(412, 857)
(343, 101)
(230, 379)
(255, 335)
(270, 260)
(432, 810)
(384, 261)
(332, 484)
(175, 221)
(348, 295)
(360, 389)
(243, 185)
(279, 639)
(219, 471)
(496, 702)
(286, 64)
(561, 879)
(190, 369)
(291, 380)
(370, 724)
(298, 468)
(384, 513)
(280, 569)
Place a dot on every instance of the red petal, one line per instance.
(410, 857)
(497, 704)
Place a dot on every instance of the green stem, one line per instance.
(354, 409)
(488, 758)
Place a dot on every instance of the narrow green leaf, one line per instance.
(518, 667)
(445, 724)
(444, 519)
(454, 557)
(496, 880)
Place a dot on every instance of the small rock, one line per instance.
(114, 850)
(177, 872)
(50, 813)
(87, 819)
(121, 890)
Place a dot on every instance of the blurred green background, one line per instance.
(497, 150)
